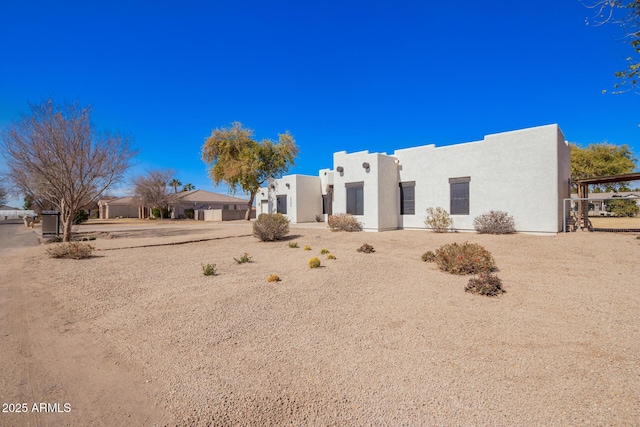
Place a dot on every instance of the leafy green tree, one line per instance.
(602, 159)
(236, 158)
(620, 206)
(625, 13)
(175, 183)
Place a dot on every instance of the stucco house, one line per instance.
(131, 207)
(206, 200)
(119, 207)
(597, 201)
(524, 172)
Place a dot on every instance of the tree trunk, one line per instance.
(252, 196)
(66, 229)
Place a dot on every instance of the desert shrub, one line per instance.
(438, 220)
(324, 251)
(209, 269)
(485, 284)
(314, 262)
(243, 258)
(429, 256)
(270, 227)
(189, 213)
(319, 218)
(73, 250)
(273, 278)
(344, 222)
(494, 222)
(466, 258)
(80, 217)
(307, 248)
(331, 256)
(293, 245)
(366, 248)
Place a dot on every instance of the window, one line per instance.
(459, 189)
(281, 204)
(225, 207)
(408, 198)
(355, 198)
(327, 201)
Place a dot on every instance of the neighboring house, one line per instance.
(206, 200)
(524, 172)
(597, 205)
(120, 207)
(131, 207)
(8, 212)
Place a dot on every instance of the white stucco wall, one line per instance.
(304, 197)
(517, 172)
(523, 172)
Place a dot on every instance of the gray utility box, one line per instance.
(50, 223)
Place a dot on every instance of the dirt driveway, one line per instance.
(137, 335)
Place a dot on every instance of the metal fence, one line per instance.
(15, 214)
(601, 214)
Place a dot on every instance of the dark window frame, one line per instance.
(408, 198)
(278, 198)
(355, 197)
(459, 198)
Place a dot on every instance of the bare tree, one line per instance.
(3, 195)
(152, 189)
(626, 14)
(54, 153)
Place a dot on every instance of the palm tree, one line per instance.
(188, 187)
(175, 183)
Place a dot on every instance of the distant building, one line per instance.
(131, 207)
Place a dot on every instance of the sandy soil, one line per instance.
(139, 336)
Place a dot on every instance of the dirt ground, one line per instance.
(137, 335)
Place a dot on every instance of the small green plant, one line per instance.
(494, 222)
(331, 256)
(81, 216)
(273, 278)
(485, 284)
(293, 245)
(324, 251)
(155, 212)
(314, 262)
(244, 258)
(344, 222)
(429, 256)
(73, 250)
(366, 248)
(209, 269)
(466, 258)
(438, 220)
(189, 213)
(271, 227)
(307, 248)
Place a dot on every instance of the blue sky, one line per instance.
(339, 75)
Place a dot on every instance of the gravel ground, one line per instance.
(367, 339)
